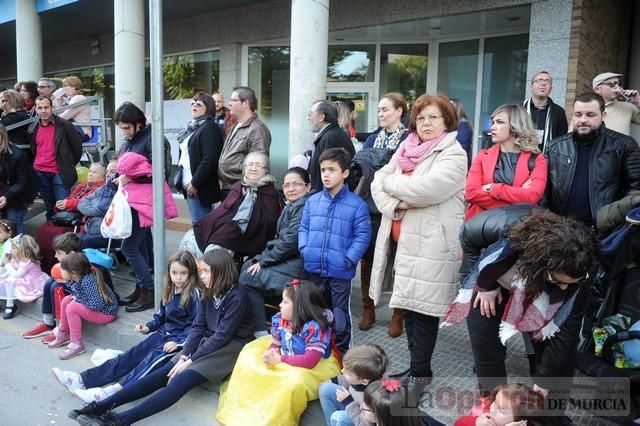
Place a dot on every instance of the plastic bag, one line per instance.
(100, 356)
(118, 221)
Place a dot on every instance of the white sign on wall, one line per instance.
(177, 115)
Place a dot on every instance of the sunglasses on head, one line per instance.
(196, 103)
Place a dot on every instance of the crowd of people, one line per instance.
(404, 203)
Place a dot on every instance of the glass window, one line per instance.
(504, 73)
(97, 81)
(403, 69)
(186, 74)
(457, 72)
(269, 77)
(351, 63)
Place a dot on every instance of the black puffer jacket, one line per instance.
(614, 169)
(280, 260)
(142, 143)
(22, 182)
(486, 228)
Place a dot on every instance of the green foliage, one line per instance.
(179, 76)
(407, 74)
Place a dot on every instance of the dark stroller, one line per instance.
(616, 291)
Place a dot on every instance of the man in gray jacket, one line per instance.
(249, 134)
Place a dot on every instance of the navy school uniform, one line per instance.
(170, 324)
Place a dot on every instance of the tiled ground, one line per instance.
(452, 360)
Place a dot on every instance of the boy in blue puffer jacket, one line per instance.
(334, 234)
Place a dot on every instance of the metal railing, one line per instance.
(98, 144)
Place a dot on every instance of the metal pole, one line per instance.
(157, 137)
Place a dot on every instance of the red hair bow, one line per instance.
(295, 283)
(391, 385)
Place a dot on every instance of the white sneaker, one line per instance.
(91, 395)
(70, 380)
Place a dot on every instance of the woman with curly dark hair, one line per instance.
(535, 281)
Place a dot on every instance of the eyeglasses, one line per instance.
(542, 81)
(43, 87)
(611, 84)
(232, 100)
(429, 118)
(293, 185)
(551, 280)
(196, 103)
(255, 165)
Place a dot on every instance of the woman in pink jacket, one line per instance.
(135, 177)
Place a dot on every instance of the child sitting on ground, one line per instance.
(170, 327)
(64, 244)
(334, 233)
(91, 299)
(387, 402)
(510, 404)
(282, 372)
(22, 279)
(7, 231)
(341, 397)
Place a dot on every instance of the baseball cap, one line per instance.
(601, 78)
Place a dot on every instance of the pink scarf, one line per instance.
(412, 151)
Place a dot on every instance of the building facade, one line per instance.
(481, 52)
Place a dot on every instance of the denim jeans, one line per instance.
(196, 210)
(333, 410)
(95, 241)
(16, 215)
(337, 294)
(51, 190)
(136, 250)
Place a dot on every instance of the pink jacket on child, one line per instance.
(140, 195)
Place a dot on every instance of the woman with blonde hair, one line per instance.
(11, 104)
(72, 86)
(512, 171)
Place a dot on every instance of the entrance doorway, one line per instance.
(364, 99)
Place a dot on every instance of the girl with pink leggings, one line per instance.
(91, 300)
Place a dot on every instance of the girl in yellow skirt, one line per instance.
(275, 376)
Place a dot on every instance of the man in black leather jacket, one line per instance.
(592, 166)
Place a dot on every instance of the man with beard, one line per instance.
(592, 166)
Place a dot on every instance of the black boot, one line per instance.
(11, 313)
(144, 302)
(130, 299)
(88, 410)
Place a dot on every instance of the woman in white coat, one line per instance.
(421, 196)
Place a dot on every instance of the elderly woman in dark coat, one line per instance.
(266, 274)
(246, 220)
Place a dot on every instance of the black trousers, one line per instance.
(488, 352)
(422, 333)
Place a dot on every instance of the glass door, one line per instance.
(364, 100)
